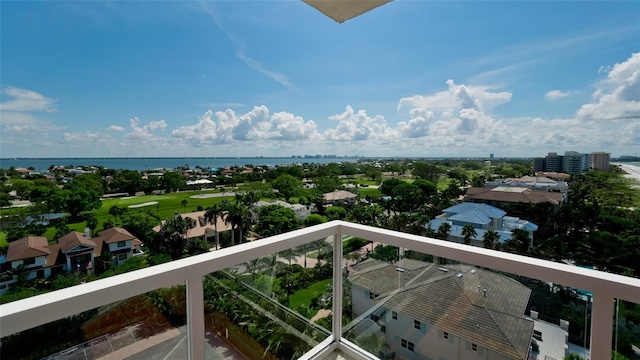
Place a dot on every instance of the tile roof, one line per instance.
(339, 195)
(73, 239)
(55, 257)
(525, 196)
(110, 236)
(28, 247)
(454, 301)
(114, 235)
(200, 228)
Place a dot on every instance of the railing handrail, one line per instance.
(622, 287)
(38, 310)
(27, 313)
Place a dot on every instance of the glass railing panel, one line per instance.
(626, 330)
(402, 303)
(146, 326)
(274, 307)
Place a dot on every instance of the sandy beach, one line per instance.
(633, 172)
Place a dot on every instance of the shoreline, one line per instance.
(632, 171)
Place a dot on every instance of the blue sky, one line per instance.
(278, 78)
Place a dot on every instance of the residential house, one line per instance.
(339, 197)
(483, 218)
(74, 251)
(429, 311)
(300, 210)
(120, 243)
(503, 195)
(201, 229)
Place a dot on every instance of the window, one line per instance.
(122, 257)
(383, 329)
(445, 335)
(373, 296)
(416, 324)
(407, 344)
(121, 243)
(29, 261)
(474, 347)
(394, 315)
(375, 317)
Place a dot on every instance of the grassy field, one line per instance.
(304, 296)
(166, 206)
(374, 193)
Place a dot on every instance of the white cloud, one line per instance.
(556, 94)
(358, 126)
(115, 128)
(457, 97)
(85, 138)
(145, 132)
(26, 100)
(618, 96)
(226, 126)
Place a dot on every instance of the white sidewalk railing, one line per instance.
(38, 310)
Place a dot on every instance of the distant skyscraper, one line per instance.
(600, 160)
(490, 156)
(553, 163)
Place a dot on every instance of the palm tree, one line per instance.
(240, 218)
(211, 215)
(490, 239)
(399, 222)
(114, 211)
(469, 232)
(443, 231)
(520, 243)
(184, 205)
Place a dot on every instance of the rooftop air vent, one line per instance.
(443, 269)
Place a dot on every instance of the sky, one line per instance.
(279, 78)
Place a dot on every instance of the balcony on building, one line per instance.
(453, 301)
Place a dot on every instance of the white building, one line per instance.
(482, 217)
(428, 311)
(301, 211)
(73, 252)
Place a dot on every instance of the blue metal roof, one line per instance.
(488, 210)
(471, 217)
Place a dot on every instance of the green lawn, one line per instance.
(167, 205)
(304, 296)
(3, 240)
(374, 193)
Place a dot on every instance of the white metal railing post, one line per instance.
(195, 317)
(337, 287)
(601, 326)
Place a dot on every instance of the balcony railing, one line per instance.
(38, 310)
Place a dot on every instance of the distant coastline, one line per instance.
(150, 163)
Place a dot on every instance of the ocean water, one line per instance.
(141, 164)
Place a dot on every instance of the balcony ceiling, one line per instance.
(343, 10)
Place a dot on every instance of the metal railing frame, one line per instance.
(38, 310)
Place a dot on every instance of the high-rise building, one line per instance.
(600, 160)
(573, 162)
(553, 162)
(539, 164)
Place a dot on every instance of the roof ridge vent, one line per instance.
(443, 269)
